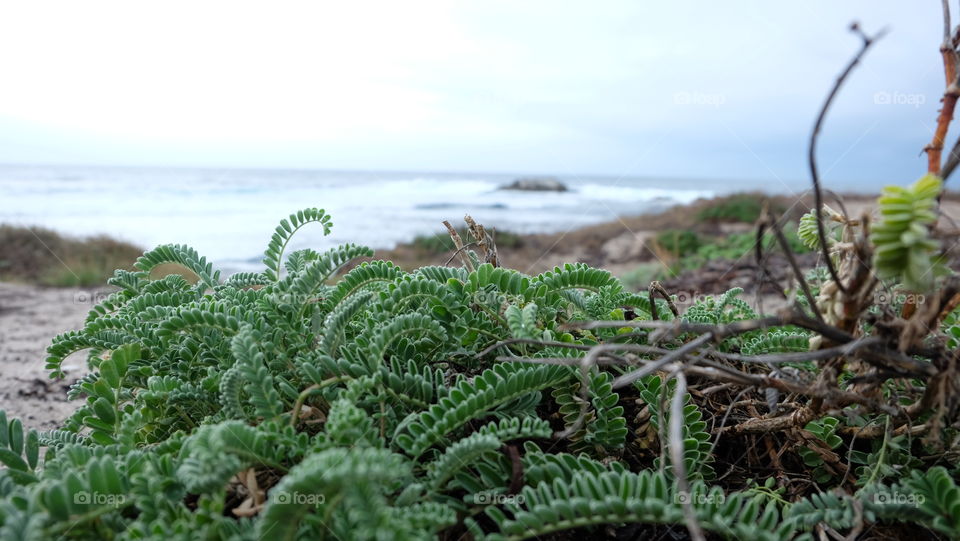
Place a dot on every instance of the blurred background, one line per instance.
(206, 122)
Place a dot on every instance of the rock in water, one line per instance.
(536, 184)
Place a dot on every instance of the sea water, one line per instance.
(229, 215)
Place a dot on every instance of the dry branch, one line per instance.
(812, 152)
(948, 52)
(458, 243)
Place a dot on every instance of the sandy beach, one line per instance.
(30, 317)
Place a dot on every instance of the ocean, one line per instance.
(228, 215)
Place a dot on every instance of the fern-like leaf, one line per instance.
(273, 255)
(471, 399)
(182, 255)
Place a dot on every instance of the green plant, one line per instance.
(807, 231)
(735, 247)
(678, 242)
(951, 328)
(696, 440)
(825, 440)
(904, 249)
(305, 402)
(888, 458)
(744, 208)
(930, 497)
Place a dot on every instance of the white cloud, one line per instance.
(427, 85)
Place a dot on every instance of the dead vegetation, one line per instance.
(37, 255)
(880, 361)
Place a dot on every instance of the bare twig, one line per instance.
(657, 288)
(877, 431)
(516, 470)
(945, 5)
(562, 361)
(545, 343)
(839, 201)
(458, 252)
(816, 355)
(785, 246)
(953, 160)
(674, 355)
(586, 363)
(676, 456)
(766, 276)
(949, 53)
(789, 317)
(484, 241)
(637, 348)
(467, 264)
(723, 421)
(812, 153)
(857, 521)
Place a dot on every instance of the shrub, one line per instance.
(742, 208)
(678, 242)
(300, 402)
(731, 247)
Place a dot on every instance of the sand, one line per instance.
(30, 317)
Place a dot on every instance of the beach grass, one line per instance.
(36, 255)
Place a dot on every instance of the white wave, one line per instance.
(229, 215)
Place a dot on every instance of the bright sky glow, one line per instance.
(692, 89)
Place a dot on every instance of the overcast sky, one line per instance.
(689, 89)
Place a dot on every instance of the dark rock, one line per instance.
(536, 184)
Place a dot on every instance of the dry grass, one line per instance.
(41, 256)
(537, 253)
